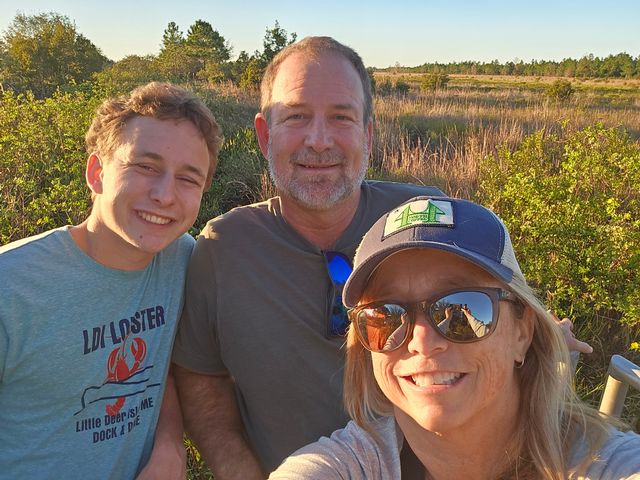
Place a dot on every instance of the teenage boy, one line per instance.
(88, 312)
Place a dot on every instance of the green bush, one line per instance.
(571, 203)
(399, 87)
(434, 81)
(42, 161)
(560, 90)
(238, 178)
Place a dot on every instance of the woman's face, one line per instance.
(439, 384)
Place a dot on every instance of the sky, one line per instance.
(385, 33)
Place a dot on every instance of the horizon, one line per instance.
(387, 36)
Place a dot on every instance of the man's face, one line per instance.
(316, 142)
(149, 190)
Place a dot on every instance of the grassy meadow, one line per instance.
(499, 140)
(457, 137)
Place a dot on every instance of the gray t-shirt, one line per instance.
(84, 354)
(352, 453)
(257, 302)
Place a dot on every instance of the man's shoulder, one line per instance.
(240, 218)
(398, 192)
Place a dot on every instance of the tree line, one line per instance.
(44, 52)
(621, 65)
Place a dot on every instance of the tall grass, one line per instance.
(440, 137)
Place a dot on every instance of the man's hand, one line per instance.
(212, 420)
(573, 343)
(168, 459)
(165, 464)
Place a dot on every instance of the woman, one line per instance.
(454, 369)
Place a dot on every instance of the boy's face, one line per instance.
(148, 191)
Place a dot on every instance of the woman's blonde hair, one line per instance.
(552, 419)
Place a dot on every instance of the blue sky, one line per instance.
(383, 32)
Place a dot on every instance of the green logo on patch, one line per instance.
(421, 212)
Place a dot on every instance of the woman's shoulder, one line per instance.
(618, 458)
(351, 452)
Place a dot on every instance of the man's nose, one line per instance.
(319, 137)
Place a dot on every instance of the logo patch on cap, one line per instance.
(421, 212)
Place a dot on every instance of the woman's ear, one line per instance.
(524, 326)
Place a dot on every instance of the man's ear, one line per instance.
(93, 174)
(369, 128)
(262, 132)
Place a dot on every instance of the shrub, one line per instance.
(401, 88)
(434, 81)
(571, 202)
(42, 160)
(560, 90)
(238, 178)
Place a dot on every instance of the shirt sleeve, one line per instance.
(196, 345)
(350, 453)
(618, 459)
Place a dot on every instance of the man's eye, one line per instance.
(341, 117)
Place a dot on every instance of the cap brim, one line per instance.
(356, 283)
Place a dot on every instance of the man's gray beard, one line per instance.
(321, 194)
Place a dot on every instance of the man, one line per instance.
(259, 346)
(88, 312)
(259, 295)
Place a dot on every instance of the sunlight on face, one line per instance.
(433, 383)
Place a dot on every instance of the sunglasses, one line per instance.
(461, 316)
(339, 268)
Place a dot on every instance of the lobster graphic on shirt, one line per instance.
(124, 362)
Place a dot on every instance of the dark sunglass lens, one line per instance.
(382, 328)
(339, 322)
(339, 267)
(463, 316)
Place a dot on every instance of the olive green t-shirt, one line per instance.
(258, 298)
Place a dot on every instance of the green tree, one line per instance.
(43, 52)
(173, 60)
(207, 49)
(237, 68)
(275, 39)
(126, 74)
(252, 74)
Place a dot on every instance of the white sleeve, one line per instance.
(618, 459)
(350, 453)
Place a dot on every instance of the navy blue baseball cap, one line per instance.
(453, 225)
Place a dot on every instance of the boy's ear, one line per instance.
(93, 174)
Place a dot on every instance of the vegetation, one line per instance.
(434, 81)
(560, 90)
(621, 65)
(44, 52)
(563, 174)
